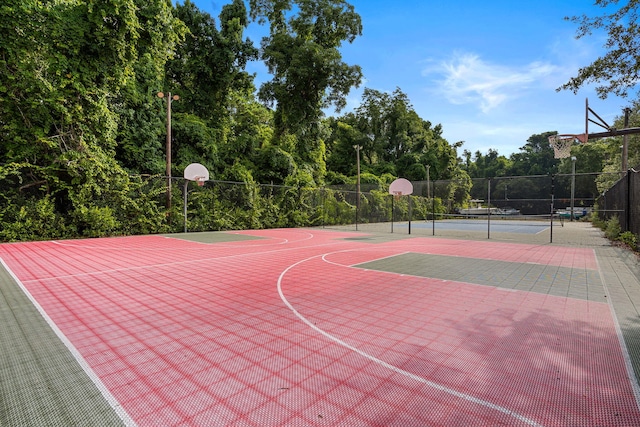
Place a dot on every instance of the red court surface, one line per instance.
(287, 330)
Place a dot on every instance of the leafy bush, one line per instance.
(594, 218)
(613, 231)
(629, 239)
(94, 221)
(612, 228)
(34, 220)
(424, 208)
(132, 205)
(337, 209)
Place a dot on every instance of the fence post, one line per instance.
(409, 213)
(489, 208)
(552, 195)
(392, 213)
(627, 202)
(185, 190)
(433, 209)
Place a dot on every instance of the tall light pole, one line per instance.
(357, 148)
(168, 143)
(573, 183)
(428, 189)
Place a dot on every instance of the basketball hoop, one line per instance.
(196, 172)
(562, 144)
(400, 187)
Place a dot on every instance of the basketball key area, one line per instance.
(309, 327)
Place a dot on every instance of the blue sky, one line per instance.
(485, 70)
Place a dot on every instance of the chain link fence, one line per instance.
(622, 201)
(221, 205)
(140, 207)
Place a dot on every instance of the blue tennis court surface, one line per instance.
(498, 225)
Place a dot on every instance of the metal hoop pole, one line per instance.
(392, 212)
(552, 196)
(489, 209)
(186, 189)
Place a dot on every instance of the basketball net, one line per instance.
(397, 194)
(200, 180)
(562, 145)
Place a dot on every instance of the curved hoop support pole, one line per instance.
(580, 137)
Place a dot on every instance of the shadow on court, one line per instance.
(321, 327)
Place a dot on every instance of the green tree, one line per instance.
(141, 129)
(610, 151)
(536, 157)
(633, 148)
(211, 62)
(488, 165)
(341, 155)
(618, 68)
(208, 72)
(250, 134)
(62, 63)
(64, 66)
(302, 53)
(394, 139)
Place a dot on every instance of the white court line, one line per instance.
(623, 346)
(175, 263)
(421, 246)
(111, 400)
(395, 369)
(283, 241)
(266, 239)
(371, 260)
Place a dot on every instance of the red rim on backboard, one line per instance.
(400, 187)
(196, 172)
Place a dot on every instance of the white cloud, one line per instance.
(467, 79)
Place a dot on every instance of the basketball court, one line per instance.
(311, 327)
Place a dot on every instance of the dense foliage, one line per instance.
(82, 132)
(618, 70)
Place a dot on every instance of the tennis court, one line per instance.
(498, 225)
(309, 327)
